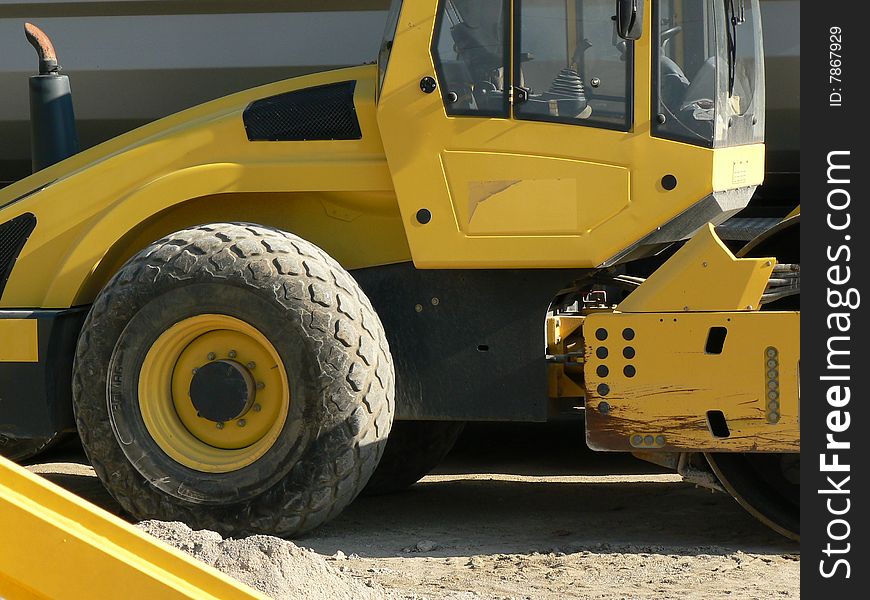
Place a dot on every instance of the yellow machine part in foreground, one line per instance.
(53, 544)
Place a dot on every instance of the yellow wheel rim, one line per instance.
(170, 415)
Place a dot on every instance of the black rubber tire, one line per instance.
(413, 449)
(328, 336)
(18, 450)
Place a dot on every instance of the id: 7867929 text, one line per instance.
(835, 65)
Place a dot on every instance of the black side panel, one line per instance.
(36, 398)
(13, 235)
(467, 345)
(326, 112)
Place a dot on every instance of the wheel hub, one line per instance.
(213, 393)
(222, 391)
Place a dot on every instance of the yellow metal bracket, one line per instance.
(565, 348)
(53, 544)
(725, 381)
(703, 276)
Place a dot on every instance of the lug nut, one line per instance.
(220, 425)
(195, 370)
(257, 408)
(260, 385)
(232, 354)
(252, 365)
(241, 423)
(212, 356)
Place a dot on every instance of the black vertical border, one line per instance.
(825, 129)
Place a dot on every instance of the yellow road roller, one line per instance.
(256, 309)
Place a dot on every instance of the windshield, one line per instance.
(741, 55)
(708, 76)
(685, 36)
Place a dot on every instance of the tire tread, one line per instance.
(280, 265)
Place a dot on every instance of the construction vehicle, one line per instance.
(254, 308)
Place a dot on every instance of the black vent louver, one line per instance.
(326, 112)
(13, 235)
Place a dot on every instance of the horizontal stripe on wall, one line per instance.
(200, 41)
(109, 8)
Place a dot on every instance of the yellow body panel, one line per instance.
(702, 276)
(665, 404)
(513, 193)
(580, 195)
(103, 205)
(19, 340)
(53, 544)
(739, 166)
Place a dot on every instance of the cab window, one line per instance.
(387, 43)
(570, 65)
(684, 72)
(471, 51)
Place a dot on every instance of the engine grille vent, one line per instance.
(13, 235)
(326, 112)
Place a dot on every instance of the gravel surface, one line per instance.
(512, 514)
(278, 568)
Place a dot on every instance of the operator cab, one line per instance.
(575, 133)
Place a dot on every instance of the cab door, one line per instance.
(508, 128)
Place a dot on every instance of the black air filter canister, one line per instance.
(53, 135)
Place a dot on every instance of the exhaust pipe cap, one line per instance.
(44, 49)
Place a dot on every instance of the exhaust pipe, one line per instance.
(53, 134)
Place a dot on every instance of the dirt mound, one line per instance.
(276, 567)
